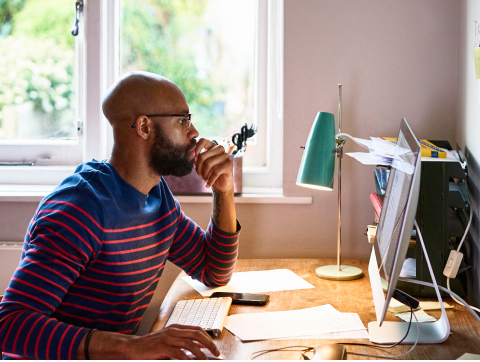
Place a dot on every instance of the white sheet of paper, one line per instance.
(434, 305)
(469, 357)
(254, 282)
(301, 322)
(383, 146)
(422, 317)
(370, 158)
(367, 143)
(361, 334)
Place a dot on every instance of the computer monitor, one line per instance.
(392, 241)
(395, 226)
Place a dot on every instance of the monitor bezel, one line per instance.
(407, 222)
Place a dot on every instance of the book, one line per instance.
(428, 148)
(381, 179)
(377, 204)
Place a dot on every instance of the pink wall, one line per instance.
(394, 59)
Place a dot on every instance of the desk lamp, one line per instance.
(316, 171)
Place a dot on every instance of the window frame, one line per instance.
(97, 60)
(61, 152)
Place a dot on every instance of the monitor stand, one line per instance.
(392, 332)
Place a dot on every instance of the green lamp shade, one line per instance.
(318, 160)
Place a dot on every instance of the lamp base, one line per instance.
(331, 272)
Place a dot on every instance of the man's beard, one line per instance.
(168, 159)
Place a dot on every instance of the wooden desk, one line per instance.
(350, 296)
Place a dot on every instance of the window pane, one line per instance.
(37, 64)
(205, 46)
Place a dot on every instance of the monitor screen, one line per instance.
(396, 219)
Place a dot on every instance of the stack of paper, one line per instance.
(396, 307)
(403, 312)
(381, 153)
(321, 322)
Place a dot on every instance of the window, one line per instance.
(226, 55)
(38, 103)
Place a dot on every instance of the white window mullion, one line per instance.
(110, 60)
(94, 132)
(271, 175)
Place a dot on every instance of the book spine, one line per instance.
(377, 204)
(430, 150)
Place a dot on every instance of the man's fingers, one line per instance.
(194, 334)
(212, 163)
(206, 156)
(203, 143)
(174, 353)
(216, 173)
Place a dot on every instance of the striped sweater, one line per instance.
(92, 257)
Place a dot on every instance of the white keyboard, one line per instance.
(208, 313)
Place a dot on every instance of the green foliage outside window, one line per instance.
(38, 61)
(157, 36)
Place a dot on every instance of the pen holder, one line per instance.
(192, 184)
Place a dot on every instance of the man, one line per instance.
(96, 247)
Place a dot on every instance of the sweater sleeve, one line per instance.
(208, 256)
(61, 241)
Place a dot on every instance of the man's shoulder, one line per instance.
(167, 196)
(86, 186)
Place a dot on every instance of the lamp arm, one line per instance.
(352, 138)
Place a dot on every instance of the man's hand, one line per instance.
(214, 165)
(169, 342)
(165, 343)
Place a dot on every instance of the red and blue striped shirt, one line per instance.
(92, 257)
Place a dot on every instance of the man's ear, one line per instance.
(144, 127)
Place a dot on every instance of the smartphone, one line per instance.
(244, 298)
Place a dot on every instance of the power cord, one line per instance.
(455, 259)
(427, 284)
(393, 345)
(304, 349)
(456, 300)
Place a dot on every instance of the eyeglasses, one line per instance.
(187, 121)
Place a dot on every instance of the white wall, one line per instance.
(468, 126)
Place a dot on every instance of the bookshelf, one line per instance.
(442, 215)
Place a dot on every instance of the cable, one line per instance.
(352, 138)
(391, 357)
(265, 351)
(414, 281)
(468, 225)
(458, 250)
(306, 349)
(456, 300)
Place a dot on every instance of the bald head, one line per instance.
(139, 93)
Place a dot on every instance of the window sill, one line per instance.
(35, 193)
(29, 178)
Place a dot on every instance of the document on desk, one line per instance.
(303, 322)
(360, 334)
(254, 282)
(422, 317)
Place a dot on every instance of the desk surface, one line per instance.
(350, 296)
